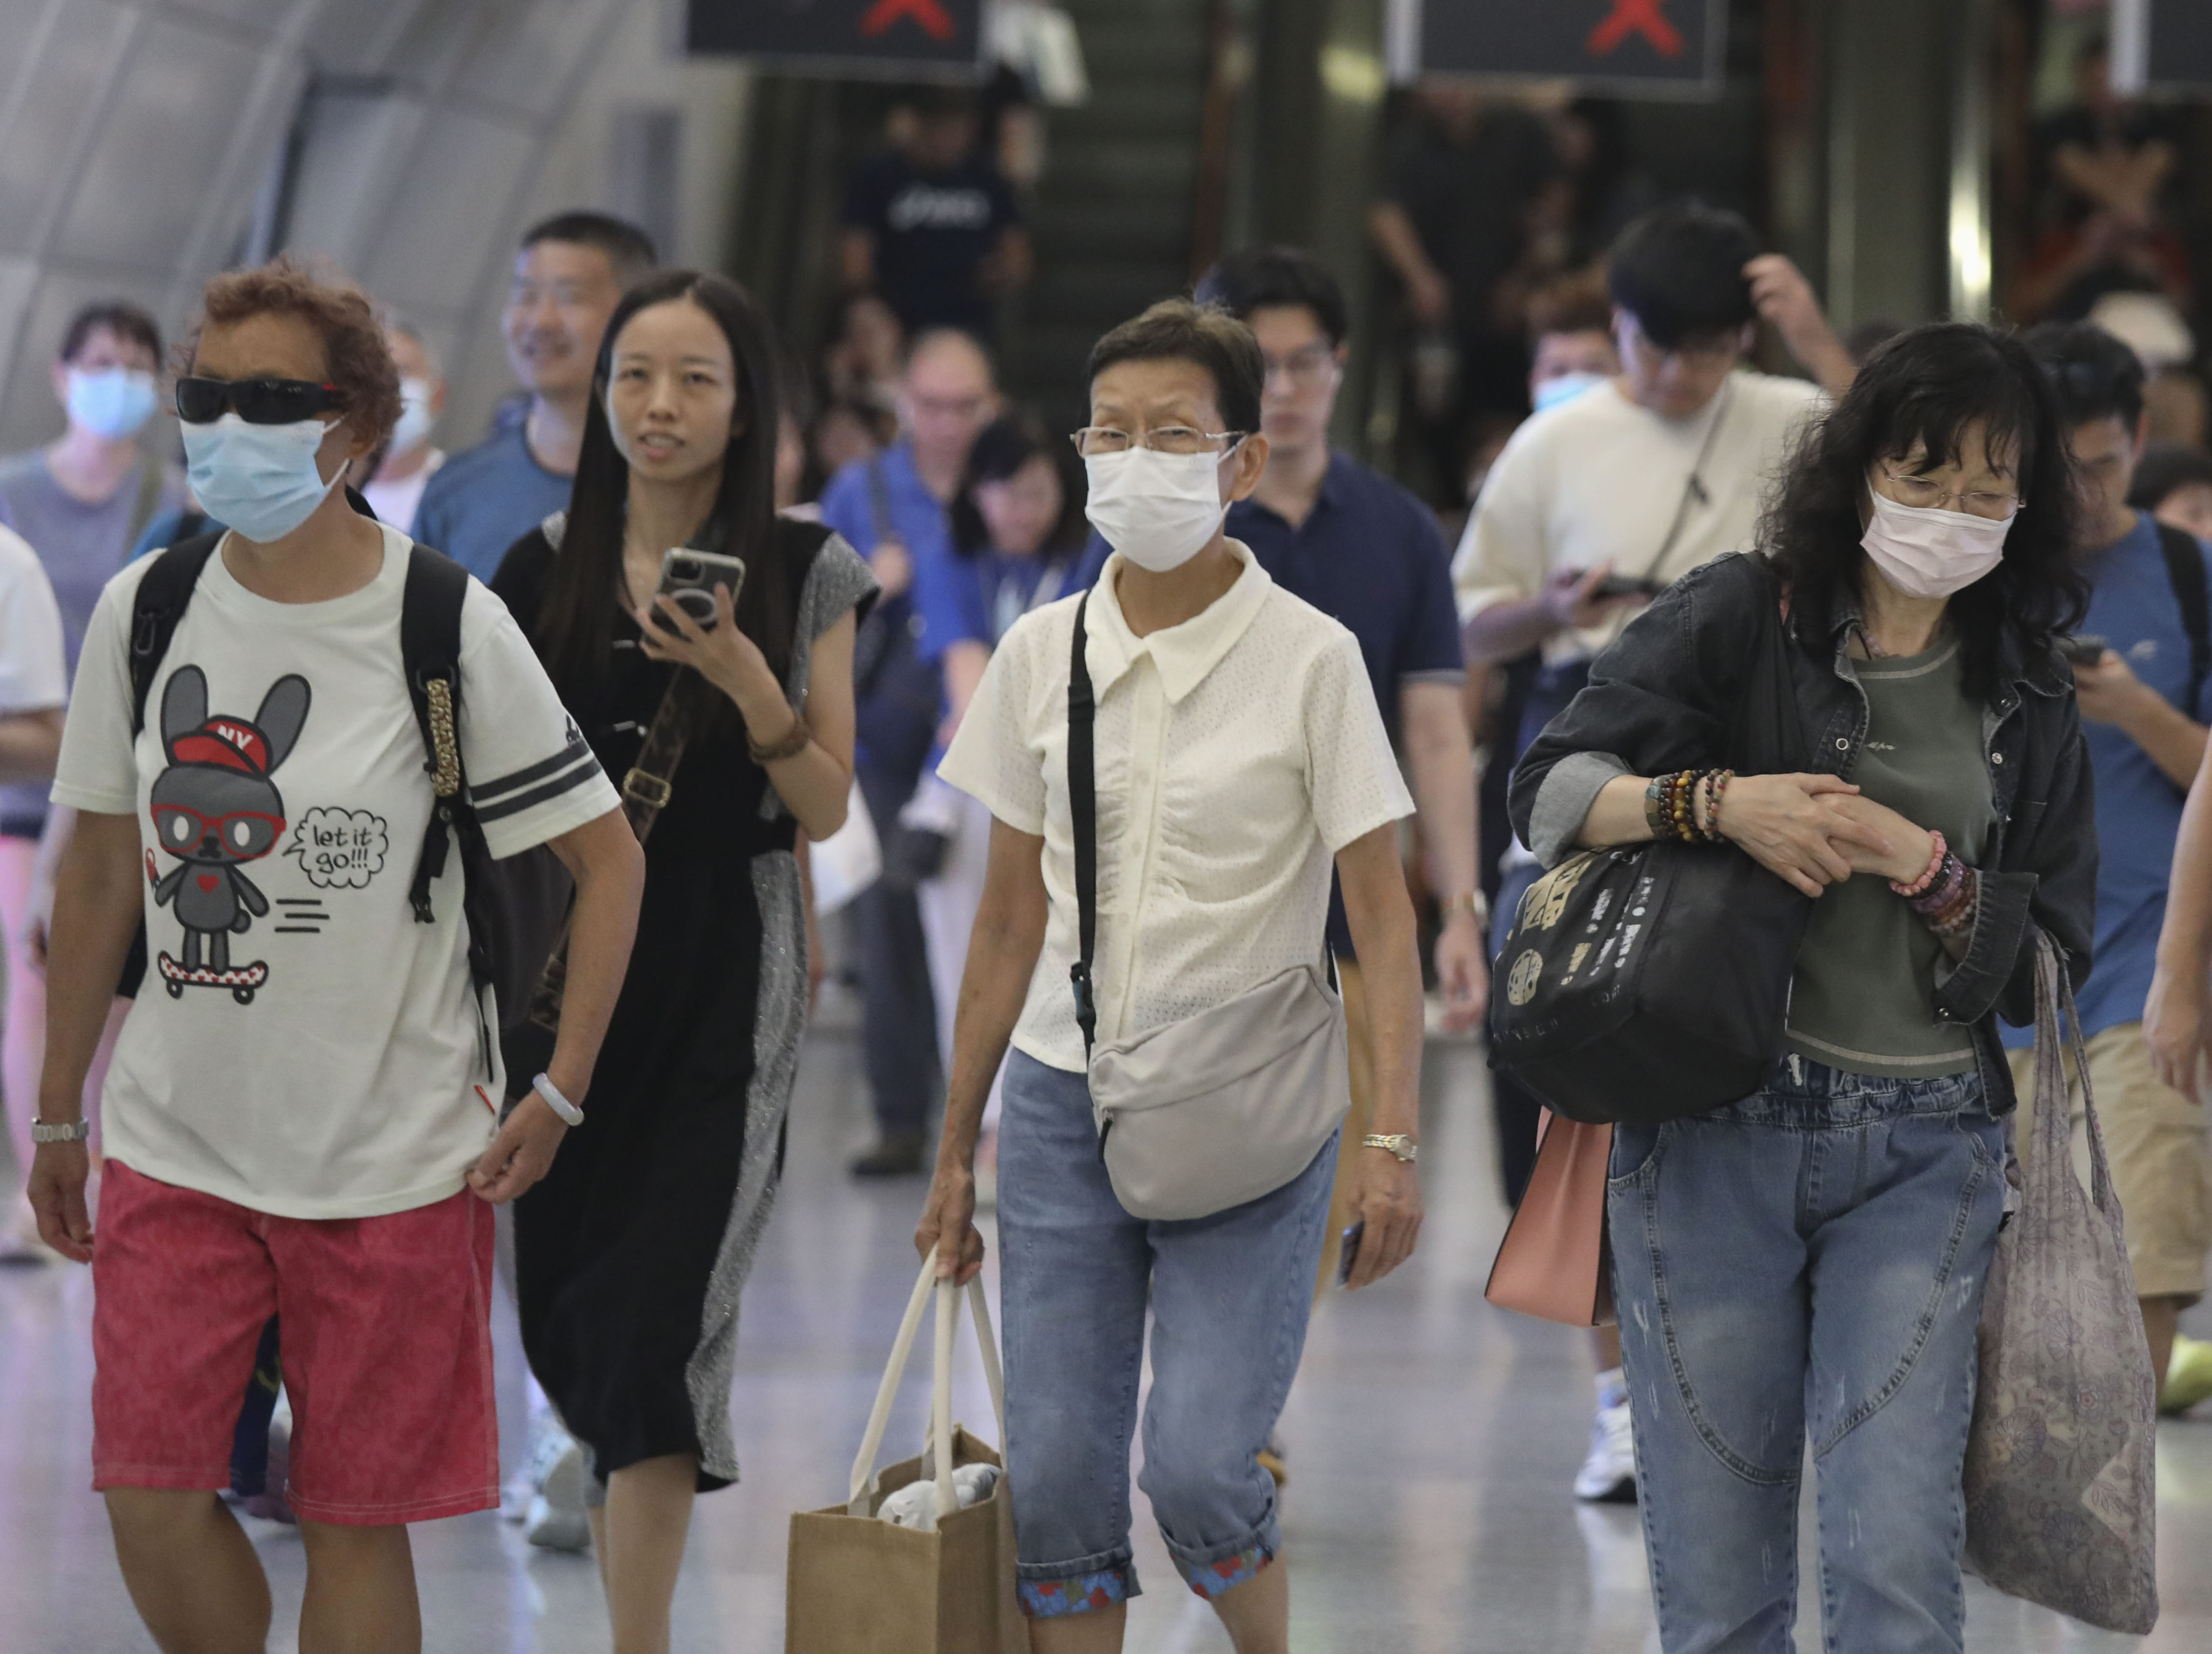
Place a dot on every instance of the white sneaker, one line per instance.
(1608, 1475)
(555, 1520)
(549, 1441)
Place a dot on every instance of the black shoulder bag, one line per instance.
(1647, 981)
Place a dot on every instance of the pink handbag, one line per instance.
(1554, 1262)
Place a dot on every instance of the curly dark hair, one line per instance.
(356, 356)
(1924, 388)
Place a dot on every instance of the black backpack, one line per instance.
(514, 908)
(2184, 570)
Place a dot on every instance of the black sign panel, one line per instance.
(1647, 48)
(2180, 44)
(843, 37)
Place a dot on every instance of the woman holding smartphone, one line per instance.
(630, 1262)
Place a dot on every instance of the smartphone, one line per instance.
(1352, 1237)
(1629, 585)
(691, 578)
(2082, 651)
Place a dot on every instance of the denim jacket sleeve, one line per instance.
(1658, 700)
(2046, 877)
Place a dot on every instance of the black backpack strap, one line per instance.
(2185, 569)
(1083, 807)
(430, 655)
(164, 592)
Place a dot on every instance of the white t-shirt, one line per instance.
(1599, 479)
(33, 675)
(336, 1068)
(1235, 755)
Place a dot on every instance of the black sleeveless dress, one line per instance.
(631, 1254)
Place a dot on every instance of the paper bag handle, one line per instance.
(862, 1488)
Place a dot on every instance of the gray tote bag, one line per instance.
(1214, 1109)
(2060, 1495)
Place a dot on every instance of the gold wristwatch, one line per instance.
(1397, 1143)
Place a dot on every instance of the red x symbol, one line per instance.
(928, 14)
(1644, 17)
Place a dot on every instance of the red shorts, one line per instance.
(387, 1335)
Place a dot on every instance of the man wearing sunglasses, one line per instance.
(2144, 679)
(569, 273)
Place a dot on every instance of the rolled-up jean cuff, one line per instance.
(1221, 1568)
(1049, 1590)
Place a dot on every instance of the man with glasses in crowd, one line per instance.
(1599, 503)
(2143, 677)
(569, 273)
(1366, 553)
(893, 508)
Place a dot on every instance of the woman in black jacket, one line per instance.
(1809, 1260)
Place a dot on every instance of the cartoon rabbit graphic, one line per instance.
(215, 809)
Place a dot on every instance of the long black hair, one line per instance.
(575, 624)
(1001, 449)
(1926, 386)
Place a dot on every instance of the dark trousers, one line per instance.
(900, 1030)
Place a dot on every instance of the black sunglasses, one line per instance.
(259, 401)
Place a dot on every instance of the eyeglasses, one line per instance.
(1925, 494)
(241, 831)
(1306, 367)
(1093, 441)
(201, 401)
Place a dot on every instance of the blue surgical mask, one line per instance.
(1565, 388)
(413, 428)
(260, 479)
(112, 402)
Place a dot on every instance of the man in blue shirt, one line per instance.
(2143, 711)
(569, 274)
(893, 509)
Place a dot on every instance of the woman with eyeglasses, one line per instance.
(631, 1255)
(299, 1116)
(1237, 759)
(1806, 1264)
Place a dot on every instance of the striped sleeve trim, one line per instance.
(572, 767)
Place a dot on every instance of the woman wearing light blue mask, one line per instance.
(81, 501)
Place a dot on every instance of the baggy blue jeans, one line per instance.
(1229, 1296)
(1808, 1261)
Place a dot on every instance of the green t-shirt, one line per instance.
(1862, 996)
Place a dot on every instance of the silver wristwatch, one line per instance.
(75, 1132)
(1397, 1143)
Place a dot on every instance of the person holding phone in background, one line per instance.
(629, 1262)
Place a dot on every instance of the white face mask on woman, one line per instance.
(1928, 552)
(1158, 510)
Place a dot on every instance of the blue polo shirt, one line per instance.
(978, 598)
(2132, 607)
(482, 502)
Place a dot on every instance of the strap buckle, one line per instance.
(642, 787)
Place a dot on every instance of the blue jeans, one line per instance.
(1229, 1296)
(1809, 1260)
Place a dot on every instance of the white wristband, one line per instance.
(560, 1105)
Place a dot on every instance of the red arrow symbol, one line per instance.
(1644, 17)
(928, 14)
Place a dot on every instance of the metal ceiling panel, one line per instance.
(51, 108)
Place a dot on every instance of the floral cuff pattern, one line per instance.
(1054, 1598)
(1217, 1577)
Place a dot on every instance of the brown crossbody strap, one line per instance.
(646, 791)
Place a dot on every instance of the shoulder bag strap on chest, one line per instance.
(2184, 570)
(164, 591)
(1083, 809)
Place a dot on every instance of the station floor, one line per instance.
(1432, 1442)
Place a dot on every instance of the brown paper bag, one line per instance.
(1553, 1263)
(857, 1584)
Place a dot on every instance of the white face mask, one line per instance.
(413, 426)
(1928, 552)
(1158, 510)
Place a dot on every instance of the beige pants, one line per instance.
(2161, 1157)
(1356, 1124)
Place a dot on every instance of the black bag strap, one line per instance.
(2184, 570)
(164, 593)
(430, 655)
(1083, 808)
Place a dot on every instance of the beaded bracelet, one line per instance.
(1935, 867)
(1950, 884)
(1716, 782)
(1679, 790)
(1655, 806)
(1957, 920)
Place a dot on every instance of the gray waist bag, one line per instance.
(1214, 1109)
